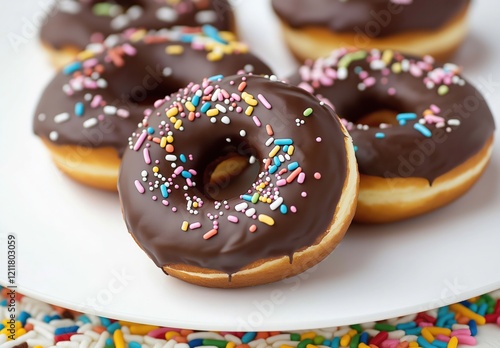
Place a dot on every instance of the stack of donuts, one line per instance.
(229, 176)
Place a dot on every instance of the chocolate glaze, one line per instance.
(404, 151)
(133, 87)
(376, 18)
(72, 22)
(157, 228)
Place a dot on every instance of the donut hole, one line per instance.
(370, 112)
(230, 172)
(378, 117)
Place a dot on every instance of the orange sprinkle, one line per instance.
(156, 140)
(180, 339)
(169, 148)
(99, 329)
(28, 327)
(210, 234)
(274, 333)
(293, 175)
(261, 334)
(269, 130)
(116, 58)
(241, 87)
(186, 332)
(252, 229)
(99, 68)
(268, 163)
(191, 116)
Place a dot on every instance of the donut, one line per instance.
(91, 107)
(423, 135)
(280, 220)
(72, 24)
(314, 28)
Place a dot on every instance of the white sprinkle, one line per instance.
(221, 108)
(241, 206)
(91, 122)
(42, 117)
(250, 212)
(166, 14)
(87, 97)
(62, 117)
(115, 10)
(171, 157)
(454, 122)
(134, 12)
(225, 120)
(68, 6)
(243, 133)
(110, 110)
(405, 65)
(273, 78)
(167, 71)
(205, 17)
(342, 73)
(252, 160)
(377, 65)
(227, 139)
(213, 120)
(248, 68)
(102, 83)
(53, 136)
(120, 22)
(269, 141)
(111, 41)
(275, 205)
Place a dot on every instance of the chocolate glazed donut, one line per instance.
(288, 217)
(430, 147)
(313, 28)
(91, 107)
(75, 21)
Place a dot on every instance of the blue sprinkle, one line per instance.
(335, 342)
(441, 321)
(282, 142)
(213, 33)
(364, 338)
(466, 303)
(293, 166)
(473, 327)
(186, 175)
(134, 344)
(3, 303)
(84, 319)
(46, 318)
(355, 148)
(205, 107)
(358, 70)
(1, 326)
(23, 316)
(247, 198)
(109, 342)
(195, 343)
(272, 169)
(151, 130)
(326, 343)
(196, 100)
(423, 343)
(416, 331)
(402, 122)
(164, 191)
(216, 78)
(187, 38)
(65, 330)
(405, 326)
(442, 311)
(277, 161)
(283, 209)
(105, 321)
(423, 129)
(55, 317)
(248, 337)
(113, 327)
(79, 109)
(473, 307)
(482, 309)
(406, 116)
(379, 135)
(182, 157)
(71, 68)
(440, 344)
(285, 148)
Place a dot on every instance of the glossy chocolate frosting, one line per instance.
(126, 79)
(299, 220)
(443, 119)
(375, 18)
(73, 22)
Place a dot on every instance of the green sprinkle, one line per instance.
(350, 57)
(102, 9)
(308, 112)
(384, 327)
(355, 341)
(216, 343)
(295, 337)
(255, 198)
(304, 343)
(357, 327)
(443, 90)
(318, 340)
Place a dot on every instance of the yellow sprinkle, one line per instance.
(37, 346)
(269, 200)
(17, 324)
(352, 332)
(172, 112)
(20, 332)
(170, 139)
(438, 330)
(118, 338)
(138, 329)
(457, 307)
(163, 142)
(249, 111)
(362, 345)
(251, 101)
(387, 56)
(453, 342)
(427, 335)
(230, 344)
(286, 346)
(212, 112)
(474, 299)
(84, 55)
(178, 124)
(185, 226)
(195, 204)
(345, 340)
(396, 68)
(227, 36)
(214, 56)
(170, 334)
(173, 119)
(190, 106)
(413, 345)
(274, 151)
(310, 334)
(266, 219)
(156, 169)
(245, 95)
(174, 49)
(291, 148)
(311, 346)
(262, 199)
(138, 35)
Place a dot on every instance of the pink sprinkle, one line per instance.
(208, 90)
(433, 119)
(236, 97)
(96, 101)
(123, 113)
(256, 121)
(467, 340)
(304, 194)
(89, 63)
(331, 73)
(293, 209)
(305, 73)
(178, 170)
(192, 171)
(301, 178)
(415, 71)
(147, 158)
(225, 93)
(129, 49)
(317, 175)
(158, 103)
(154, 198)
(165, 202)
(391, 91)
(239, 109)
(424, 324)
(392, 343)
(160, 333)
(264, 101)
(435, 109)
(189, 182)
(195, 225)
(100, 117)
(307, 87)
(140, 141)
(363, 75)
(369, 81)
(318, 139)
(498, 320)
(139, 186)
(174, 209)
(195, 88)
(233, 219)
(253, 228)
(442, 337)
(461, 332)
(281, 182)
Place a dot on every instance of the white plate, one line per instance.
(74, 250)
